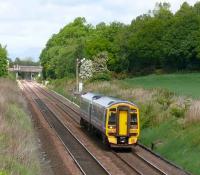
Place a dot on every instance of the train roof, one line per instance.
(90, 96)
(104, 101)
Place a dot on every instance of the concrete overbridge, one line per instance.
(27, 72)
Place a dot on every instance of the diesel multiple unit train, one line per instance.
(117, 120)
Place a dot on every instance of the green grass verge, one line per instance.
(174, 142)
(18, 150)
(182, 84)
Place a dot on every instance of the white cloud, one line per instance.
(25, 26)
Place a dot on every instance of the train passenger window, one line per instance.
(133, 119)
(112, 119)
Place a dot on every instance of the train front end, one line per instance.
(122, 124)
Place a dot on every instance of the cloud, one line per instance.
(25, 26)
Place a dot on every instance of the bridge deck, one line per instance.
(33, 69)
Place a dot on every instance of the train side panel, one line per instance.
(85, 107)
(93, 114)
(98, 117)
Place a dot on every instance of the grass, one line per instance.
(181, 84)
(18, 150)
(173, 141)
(169, 121)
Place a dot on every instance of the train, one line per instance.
(116, 120)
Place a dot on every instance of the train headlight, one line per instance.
(134, 126)
(111, 127)
(112, 131)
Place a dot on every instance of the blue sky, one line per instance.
(26, 25)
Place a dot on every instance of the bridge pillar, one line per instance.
(16, 75)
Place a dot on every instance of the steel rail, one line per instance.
(128, 163)
(86, 162)
(162, 158)
(65, 108)
(151, 164)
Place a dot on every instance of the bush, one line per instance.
(3, 173)
(101, 77)
(178, 112)
(3, 61)
(193, 113)
(119, 76)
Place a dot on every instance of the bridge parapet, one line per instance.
(19, 68)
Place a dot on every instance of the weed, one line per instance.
(193, 114)
(17, 141)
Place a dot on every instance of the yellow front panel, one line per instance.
(132, 140)
(123, 122)
(112, 140)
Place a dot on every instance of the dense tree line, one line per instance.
(3, 61)
(24, 62)
(156, 41)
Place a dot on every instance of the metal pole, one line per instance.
(77, 88)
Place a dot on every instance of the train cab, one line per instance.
(116, 119)
(122, 124)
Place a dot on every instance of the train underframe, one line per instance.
(110, 141)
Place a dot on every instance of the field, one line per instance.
(181, 84)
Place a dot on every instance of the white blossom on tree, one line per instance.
(100, 63)
(86, 70)
(89, 68)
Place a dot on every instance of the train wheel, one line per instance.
(105, 141)
(82, 122)
(89, 128)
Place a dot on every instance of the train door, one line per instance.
(123, 120)
(90, 112)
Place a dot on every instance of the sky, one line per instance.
(26, 25)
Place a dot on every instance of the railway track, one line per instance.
(86, 162)
(140, 165)
(134, 161)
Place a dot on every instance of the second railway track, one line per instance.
(140, 166)
(87, 163)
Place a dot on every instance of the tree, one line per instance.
(146, 44)
(181, 40)
(3, 61)
(86, 70)
(59, 57)
(25, 61)
(100, 63)
(158, 40)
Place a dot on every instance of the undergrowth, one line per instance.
(18, 155)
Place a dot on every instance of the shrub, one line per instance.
(101, 77)
(119, 76)
(3, 61)
(3, 173)
(193, 113)
(177, 112)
